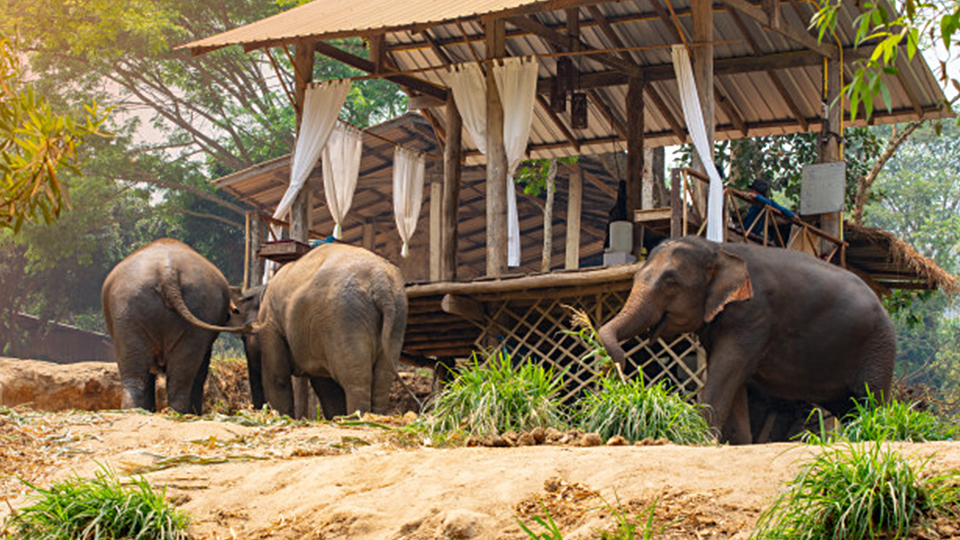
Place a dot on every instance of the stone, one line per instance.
(591, 439)
(617, 440)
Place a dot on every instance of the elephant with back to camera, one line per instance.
(338, 315)
(164, 306)
(798, 328)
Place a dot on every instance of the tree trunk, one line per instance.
(551, 182)
(866, 183)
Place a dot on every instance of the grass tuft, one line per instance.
(99, 508)
(858, 491)
(894, 420)
(635, 412)
(492, 397)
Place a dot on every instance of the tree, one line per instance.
(35, 143)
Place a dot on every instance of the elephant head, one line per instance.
(684, 284)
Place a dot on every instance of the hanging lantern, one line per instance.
(565, 74)
(578, 110)
(558, 98)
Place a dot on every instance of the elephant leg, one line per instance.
(251, 344)
(196, 393)
(134, 361)
(276, 365)
(736, 430)
(384, 373)
(187, 365)
(333, 400)
(728, 368)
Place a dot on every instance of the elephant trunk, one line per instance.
(638, 315)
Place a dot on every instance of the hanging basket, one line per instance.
(578, 110)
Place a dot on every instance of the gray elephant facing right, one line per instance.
(337, 315)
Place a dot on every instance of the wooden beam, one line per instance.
(701, 59)
(729, 109)
(785, 29)
(253, 264)
(635, 134)
(566, 43)
(407, 81)
(437, 48)
(464, 306)
(496, 159)
(775, 76)
(369, 235)
(436, 204)
(616, 123)
(574, 211)
(665, 111)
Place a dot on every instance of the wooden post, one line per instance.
(253, 265)
(496, 158)
(635, 129)
(304, 399)
(574, 209)
(702, 13)
(436, 198)
(676, 205)
(830, 146)
(369, 236)
(452, 169)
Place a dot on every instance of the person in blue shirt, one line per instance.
(759, 195)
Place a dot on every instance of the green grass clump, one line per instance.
(894, 420)
(492, 397)
(858, 491)
(627, 408)
(99, 508)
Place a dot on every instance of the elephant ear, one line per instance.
(730, 283)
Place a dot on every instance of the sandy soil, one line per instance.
(323, 481)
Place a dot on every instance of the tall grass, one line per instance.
(857, 491)
(492, 397)
(629, 409)
(99, 508)
(871, 420)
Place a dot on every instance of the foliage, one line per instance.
(100, 508)
(35, 143)
(894, 420)
(637, 412)
(858, 491)
(532, 174)
(493, 396)
(920, 26)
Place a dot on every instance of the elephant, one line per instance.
(786, 322)
(337, 315)
(155, 304)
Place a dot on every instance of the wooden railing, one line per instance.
(771, 227)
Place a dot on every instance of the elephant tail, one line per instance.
(173, 298)
(394, 312)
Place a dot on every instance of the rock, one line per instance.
(591, 439)
(497, 441)
(617, 440)
(463, 524)
(511, 437)
(526, 439)
(539, 435)
(47, 386)
(553, 435)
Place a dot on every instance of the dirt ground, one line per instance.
(274, 479)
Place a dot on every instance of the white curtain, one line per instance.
(408, 171)
(517, 85)
(321, 106)
(693, 114)
(470, 94)
(341, 167)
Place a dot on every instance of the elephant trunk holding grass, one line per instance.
(795, 326)
(164, 306)
(338, 315)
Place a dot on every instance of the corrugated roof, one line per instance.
(752, 99)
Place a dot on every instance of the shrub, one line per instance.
(99, 508)
(493, 397)
(857, 491)
(629, 409)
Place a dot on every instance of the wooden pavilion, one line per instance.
(759, 71)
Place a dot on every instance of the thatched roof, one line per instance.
(893, 263)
